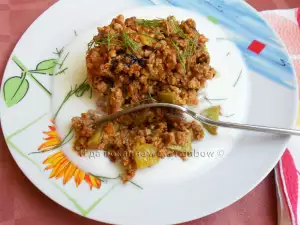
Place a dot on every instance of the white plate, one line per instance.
(254, 76)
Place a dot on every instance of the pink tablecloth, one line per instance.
(21, 203)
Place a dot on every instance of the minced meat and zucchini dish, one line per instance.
(139, 61)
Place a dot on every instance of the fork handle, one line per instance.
(257, 128)
(199, 117)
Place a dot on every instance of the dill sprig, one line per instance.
(108, 40)
(207, 100)
(102, 178)
(91, 44)
(129, 43)
(82, 88)
(187, 53)
(62, 143)
(149, 23)
(181, 55)
(62, 63)
(190, 49)
(237, 80)
(227, 116)
(68, 134)
(69, 94)
(91, 92)
(148, 98)
(135, 184)
(78, 91)
(175, 27)
(106, 178)
(217, 99)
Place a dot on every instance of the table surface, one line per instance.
(21, 203)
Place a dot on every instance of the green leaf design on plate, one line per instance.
(46, 67)
(213, 19)
(14, 90)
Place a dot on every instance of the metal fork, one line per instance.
(201, 118)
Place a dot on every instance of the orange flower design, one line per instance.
(61, 166)
(52, 139)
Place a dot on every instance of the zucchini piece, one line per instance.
(96, 137)
(103, 131)
(167, 97)
(146, 40)
(187, 147)
(181, 148)
(145, 155)
(211, 113)
(140, 119)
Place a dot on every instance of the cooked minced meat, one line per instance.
(131, 59)
(155, 127)
(136, 61)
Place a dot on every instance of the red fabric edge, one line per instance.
(298, 16)
(281, 180)
(285, 192)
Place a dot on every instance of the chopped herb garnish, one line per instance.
(82, 88)
(102, 178)
(91, 92)
(190, 49)
(235, 83)
(79, 91)
(108, 40)
(188, 52)
(62, 63)
(65, 138)
(135, 184)
(107, 178)
(91, 44)
(69, 94)
(216, 99)
(180, 55)
(228, 115)
(149, 98)
(129, 43)
(149, 23)
(175, 28)
(207, 100)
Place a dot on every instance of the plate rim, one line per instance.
(294, 116)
